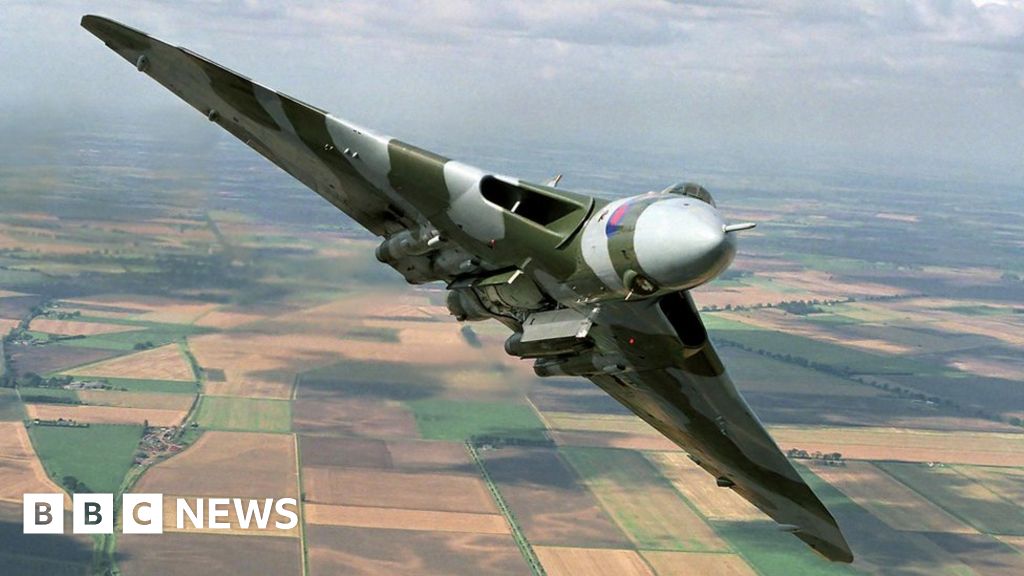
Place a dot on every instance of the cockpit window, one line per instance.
(692, 190)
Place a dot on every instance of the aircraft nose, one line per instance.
(681, 243)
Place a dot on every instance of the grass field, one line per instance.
(962, 496)
(10, 408)
(889, 500)
(642, 503)
(245, 414)
(98, 456)
(156, 333)
(449, 420)
(159, 386)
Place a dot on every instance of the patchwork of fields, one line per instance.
(227, 339)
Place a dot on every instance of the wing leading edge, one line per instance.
(677, 384)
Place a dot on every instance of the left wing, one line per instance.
(655, 358)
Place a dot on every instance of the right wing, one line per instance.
(341, 162)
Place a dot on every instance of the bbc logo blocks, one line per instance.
(92, 514)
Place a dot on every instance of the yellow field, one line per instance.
(888, 499)
(779, 320)
(598, 423)
(982, 448)
(700, 489)
(177, 313)
(105, 414)
(258, 365)
(233, 464)
(225, 320)
(386, 489)
(8, 324)
(405, 519)
(163, 363)
(697, 564)
(123, 399)
(655, 442)
(20, 469)
(559, 561)
(72, 328)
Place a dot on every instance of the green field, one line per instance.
(821, 353)
(155, 333)
(451, 420)
(98, 456)
(10, 407)
(641, 501)
(49, 396)
(171, 386)
(962, 497)
(248, 414)
(762, 373)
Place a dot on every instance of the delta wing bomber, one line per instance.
(588, 287)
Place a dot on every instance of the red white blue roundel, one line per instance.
(617, 220)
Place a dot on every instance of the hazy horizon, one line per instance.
(920, 86)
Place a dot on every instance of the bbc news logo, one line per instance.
(144, 513)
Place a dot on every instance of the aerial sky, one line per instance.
(935, 79)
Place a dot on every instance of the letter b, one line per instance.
(43, 514)
(93, 513)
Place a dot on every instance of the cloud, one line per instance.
(934, 76)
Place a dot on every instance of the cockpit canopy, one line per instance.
(692, 190)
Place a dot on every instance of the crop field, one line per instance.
(10, 408)
(641, 502)
(106, 414)
(97, 456)
(616, 423)
(700, 489)
(319, 414)
(20, 470)
(843, 327)
(72, 328)
(348, 550)
(41, 554)
(1007, 482)
(551, 503)
(446, 420)
(55, 357)
(128, 399)
(163, 363)
(234, 464)
(696, 564)
(259, 365)
(190, 554)
(889, 500)
(410, 455)
(623, 440)
(405, 519)
(245, 414)
(563, 561)
(907, 445)
(391, 489)
(982, 508)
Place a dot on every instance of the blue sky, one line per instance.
(938, 79)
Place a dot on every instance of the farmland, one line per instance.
(97, 456)
(253, 315)
(246, 414)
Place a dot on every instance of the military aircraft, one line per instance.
(589, 287)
